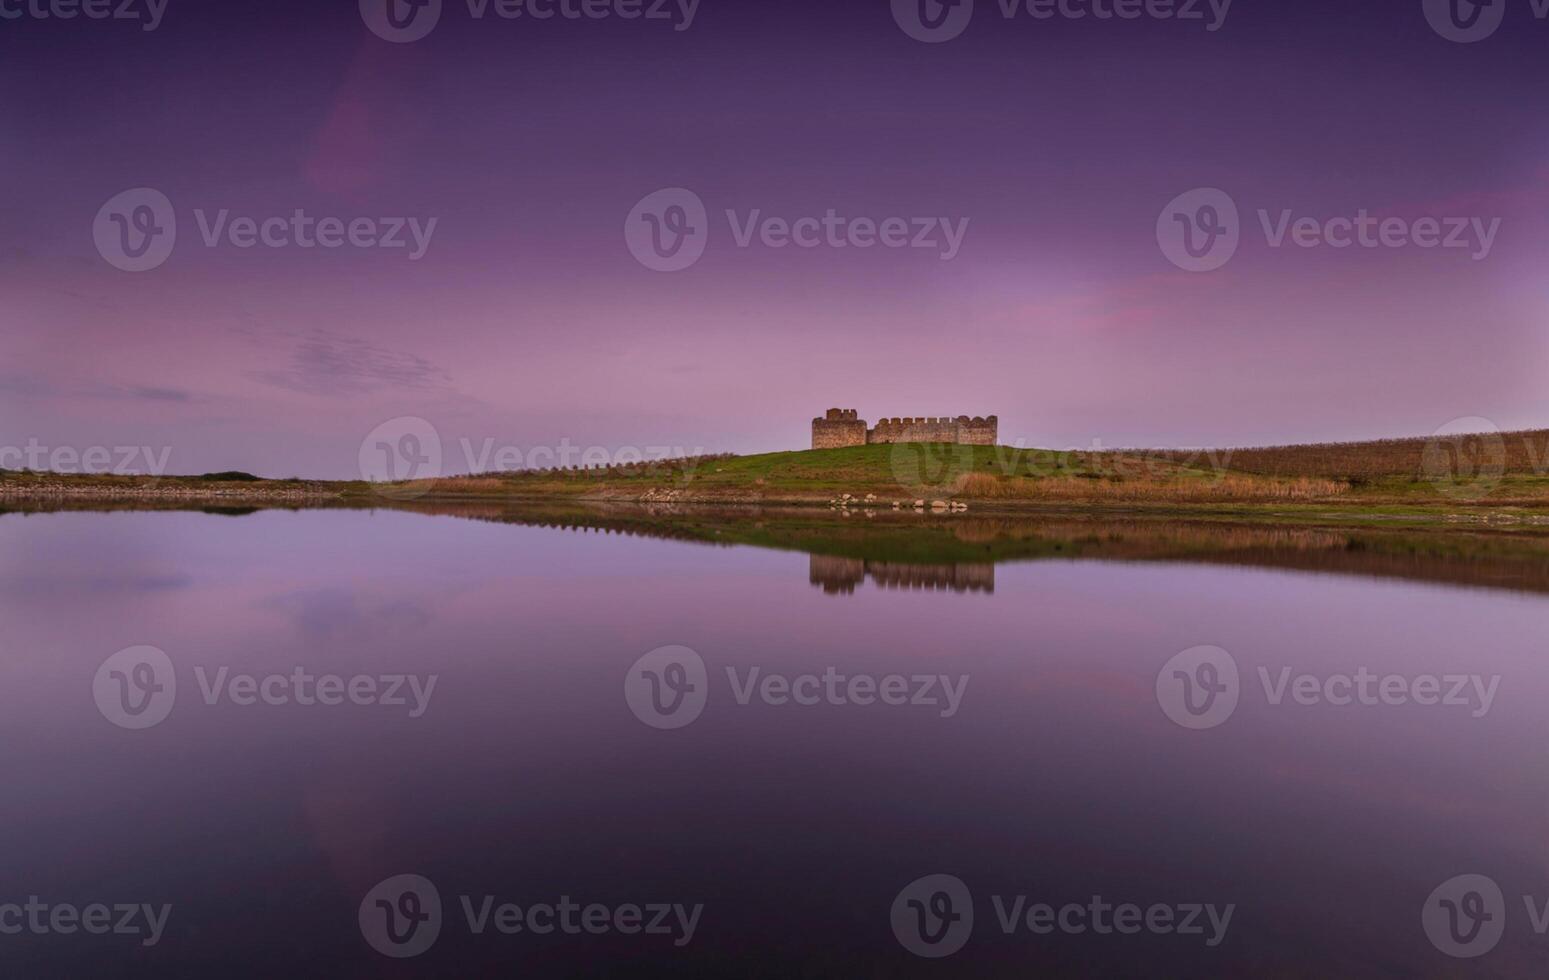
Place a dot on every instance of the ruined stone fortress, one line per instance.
(840, 427)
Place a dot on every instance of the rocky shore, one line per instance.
(42, 490)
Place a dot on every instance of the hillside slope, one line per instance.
(1433, 476)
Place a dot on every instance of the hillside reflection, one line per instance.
(957, 554)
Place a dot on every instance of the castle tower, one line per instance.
(838, 427)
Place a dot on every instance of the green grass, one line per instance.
(899, 471)
(985, 477)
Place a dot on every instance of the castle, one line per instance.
(840, 427)
(840, 576)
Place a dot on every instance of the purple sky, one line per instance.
(528, 321)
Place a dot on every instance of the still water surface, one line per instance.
(1038, 768)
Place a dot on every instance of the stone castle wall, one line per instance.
(839, 427)
(913, 430)
(979, 432)
(840, 576)
(842, 427)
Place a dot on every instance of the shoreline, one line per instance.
(220, 493)
(1379, 483)
(1346, 512)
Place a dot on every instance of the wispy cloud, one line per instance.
(330, 365)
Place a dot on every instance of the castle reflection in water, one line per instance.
(840, 576)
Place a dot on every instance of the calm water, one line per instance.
(1040, 768)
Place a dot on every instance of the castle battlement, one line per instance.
(840, 576)
(844, 427)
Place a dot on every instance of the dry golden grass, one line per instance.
(468, 484)
(1520, 453)
(1196, 489)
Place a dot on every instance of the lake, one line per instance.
(469, 740)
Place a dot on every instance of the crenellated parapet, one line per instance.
(838, 427)
(843, 427)
(841, 576)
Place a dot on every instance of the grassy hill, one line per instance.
(1496, 471)
(906, 474)
(1516, 454)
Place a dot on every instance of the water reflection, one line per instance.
(840, 576)
(956, 554)
(797, 824)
